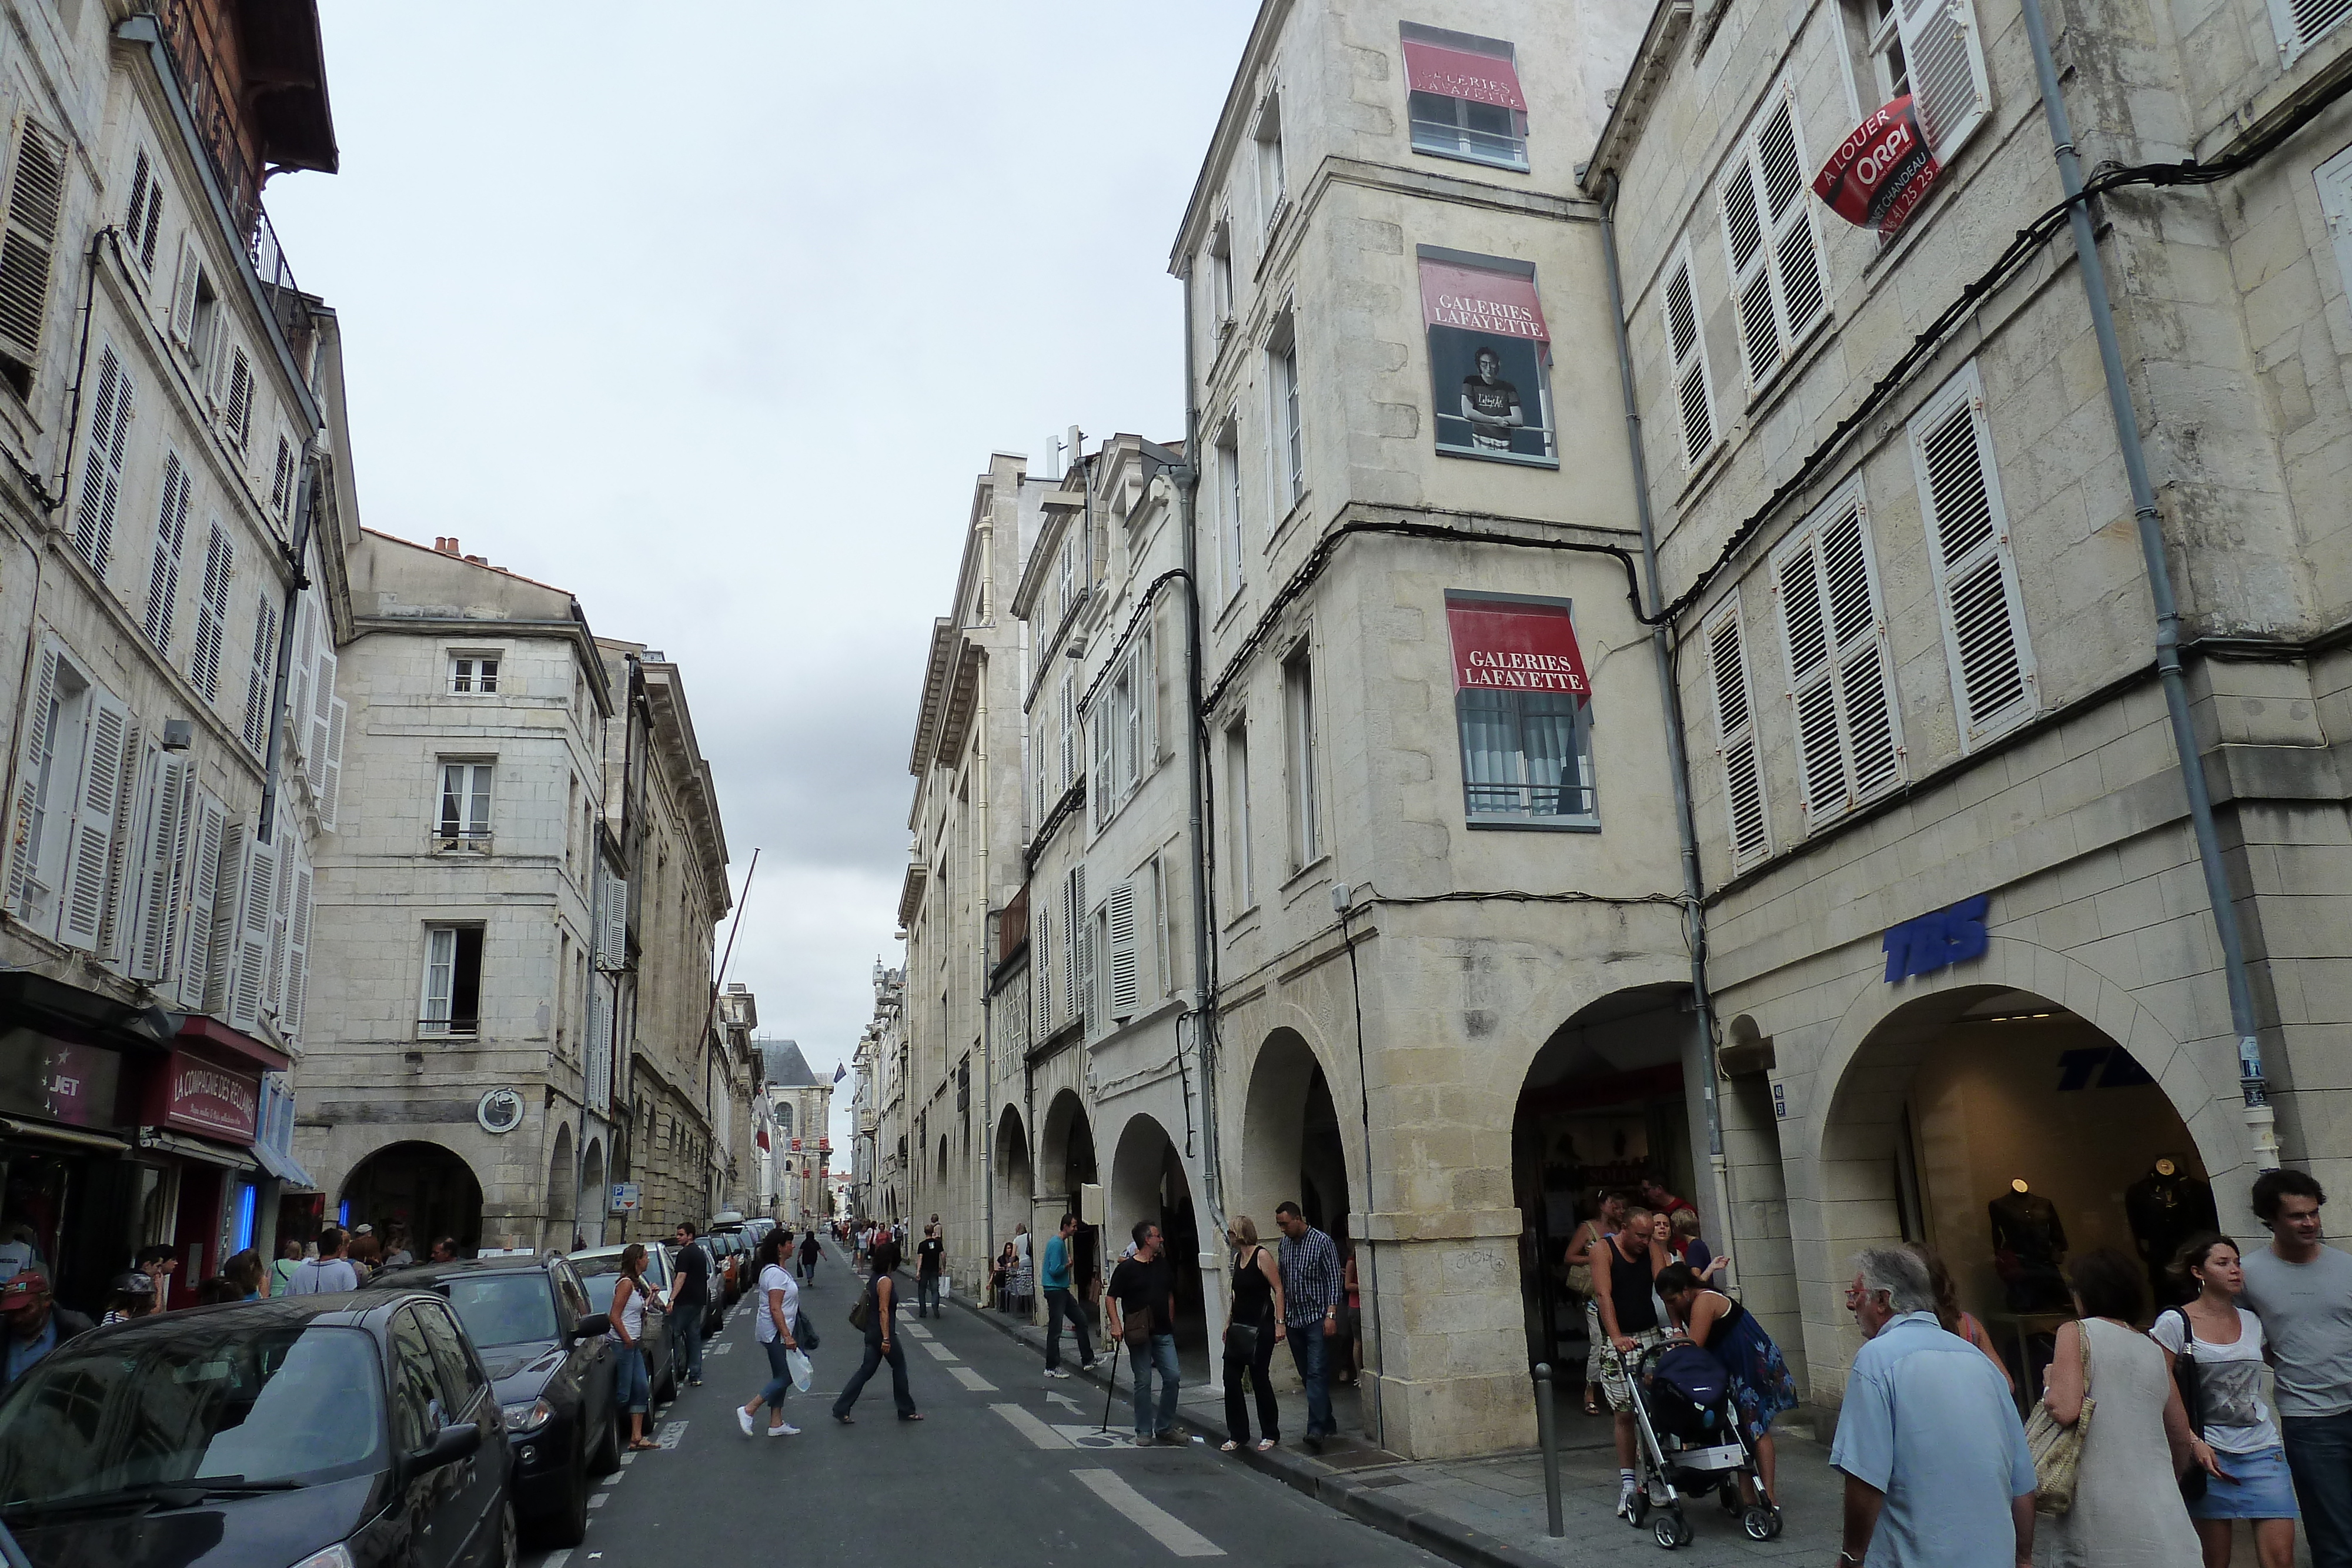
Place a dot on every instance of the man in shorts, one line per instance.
(1622, 1274)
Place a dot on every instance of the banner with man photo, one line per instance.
(1489, 358)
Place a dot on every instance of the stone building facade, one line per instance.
(795, 1183)
(877, 1099)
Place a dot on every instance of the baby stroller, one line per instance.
(1689, 1441)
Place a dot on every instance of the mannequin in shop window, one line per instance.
(2029, 1244)
(2166, 1207)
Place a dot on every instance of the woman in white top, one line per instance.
(779, 1310)
(632, 1388)
(2224, 1342)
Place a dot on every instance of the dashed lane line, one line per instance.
(1029, 1427)
(598, 1500)
(941, 1352)
(1162, 1526)
(671, 1435)
(972, 1380)
(914, 1331)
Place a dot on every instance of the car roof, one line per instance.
(347, 1309)
(418, 1276)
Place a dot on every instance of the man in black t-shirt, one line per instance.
(929, 1252)
(1491, 405)
(1143, 1315)
(689, 1299)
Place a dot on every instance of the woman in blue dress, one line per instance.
(1760, 1385)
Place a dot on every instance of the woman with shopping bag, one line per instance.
(780, 1310)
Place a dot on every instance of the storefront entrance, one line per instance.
(427, 1189)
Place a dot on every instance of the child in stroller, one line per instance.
(1688, 1442)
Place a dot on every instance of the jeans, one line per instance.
(632, 1388)
(1159, 1356)
(1269, 1414)
(927, 1295)
(2319, 1456)
(685, 1325)
(808, 1265)
(780, 1377)
(873, 1362)
(1308, 1350)
(1059, 1305)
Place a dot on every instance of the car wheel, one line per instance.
(607, 1456)
(566, 1524)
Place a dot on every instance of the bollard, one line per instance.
(1548, 1435)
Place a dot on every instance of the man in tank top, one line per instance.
(1622, 1272)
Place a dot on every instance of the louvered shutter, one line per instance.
(259, 676)
(1993, 679)
(282, 915)
(141, 178)
(1841, 674)
(239, 411)
(212, 615)
(599, 1046)
(1147, 696)
(36, 201)
(159, 866)
(299, 670)
(1126, 984)
(203, 878)
(1769, 236)
(331, 781)
(1069, 733)
(1686, 347)
(297, 952)
(184, 294)
(1100, 723)
(171, 534)
(102, 468)
(148, 227)
(24, 886)
(1946, 60)
(1735, 726)
(2300, 23)
(1074, 918)
(612, 940)
(320, 722)
(107, 755)
(282, 477)
(248, 957)
(1041, 960)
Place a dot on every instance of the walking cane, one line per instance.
(1110, 1383)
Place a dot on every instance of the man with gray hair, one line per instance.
(1936, 1470)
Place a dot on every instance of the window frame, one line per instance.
(1736, 735)
(1462, 150)
(478, 789)
(1302, 762)
(467, 665)
(1682, 366)
(449, 1023)
(1767, 263)
(1273, 167)
(1835, 668)
(1285, 420)
(1963, 394)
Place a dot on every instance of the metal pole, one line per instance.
(2253, 1087)
(1548, 1435)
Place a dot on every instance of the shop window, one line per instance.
(1489, 358)
(1463, 97)
(1524, 710)
(453, 981)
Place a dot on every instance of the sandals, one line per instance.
(642, 1444)
(1265, 1443)
(1229, 1447)
(1592, 1408)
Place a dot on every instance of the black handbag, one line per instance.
(804, 1330)
(2192, 1404)
(1241, 1342)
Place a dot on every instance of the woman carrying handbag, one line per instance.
(2215, 1349)
(1252, 1325)
(2109, 1389)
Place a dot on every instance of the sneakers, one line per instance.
(786, 1430)
(1086, 1366)
(743, 1419)
(694, 1383)
(1056, 1372)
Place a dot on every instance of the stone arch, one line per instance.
(429, 1187)
(1296, 1146)
(1148, 1183)
(1013, 1176)
(562, 1191)
(594, 1198)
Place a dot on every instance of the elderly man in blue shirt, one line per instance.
(1936, 1466)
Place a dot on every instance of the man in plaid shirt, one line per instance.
(1310, 1310)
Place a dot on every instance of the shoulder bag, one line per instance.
(1241, 1338)
(1579, 1275)
(2058, 1450)
(863, 1312)
(2186, 1377)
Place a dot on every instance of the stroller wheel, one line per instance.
(1637, 1509)
(1671, 1529)
(1762, 1523)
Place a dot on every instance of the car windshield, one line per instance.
(239, 1402)
(502, 1309)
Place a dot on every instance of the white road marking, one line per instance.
(558, 1559)
(598, 1500)
(671, 1433)
(914, 1331)
(1157, 1523)
(718, 1347)
(1066, 1403)
(1029, 1427)
(1094, 1436)
(941, 1352)
(972, 1380)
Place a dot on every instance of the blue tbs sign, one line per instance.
(1937, 941)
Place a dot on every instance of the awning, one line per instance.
(104, 1142)
(284, 1168)
(1481, 300)
(204, 1150)
(1462, 73)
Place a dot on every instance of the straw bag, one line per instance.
(2058, 1450)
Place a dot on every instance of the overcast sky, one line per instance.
(712, 314)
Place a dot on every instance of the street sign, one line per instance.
(625, 1197)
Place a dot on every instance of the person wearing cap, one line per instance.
(134, 1297)
(36, 1325)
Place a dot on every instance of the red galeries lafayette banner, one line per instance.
(1500, 303)
(199, 1096)
(1880, 174)
(1461, 73)
(1516, 644)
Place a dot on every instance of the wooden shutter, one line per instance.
(300, 669)
(102, 468)
(1735, 727)
(87, 878)
(331, 781)
(1041, 957)
(1687, 349)
(1069, 733)
(24, 870)
(612, 937)
(143, 223)
(297, 952)
(160, 864)
(281, 478)
(281, 913)
(240, 410)
(1073, 925)
(1100, 723)
(1993, 679)
(1841, 674)
(208, 838)
(1126, 984)
(171, 534)
(1768, 232)
(36, 201)
(183, 295)
(248, 957)
(259, 676)
(319, 721)
(1946, 60)
(212, 615)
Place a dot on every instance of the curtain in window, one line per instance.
(1522, 754)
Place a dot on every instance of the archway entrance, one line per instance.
(592, 1196)
(1066, 1164)
(2011, 1134)
(1147, 1181)
(1015, 1182)
(1294, 1147)
(562, 1194)
(1603, 1108)
(425, 1186)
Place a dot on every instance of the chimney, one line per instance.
(446, 545)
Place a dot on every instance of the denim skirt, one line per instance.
(2263, 1489)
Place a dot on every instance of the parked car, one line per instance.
(357, 1429)
(529, 1317)
(714, 1305)
(727, 1259)
(600, 1270)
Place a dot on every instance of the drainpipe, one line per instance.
(1678, 756)
(2253, 1087)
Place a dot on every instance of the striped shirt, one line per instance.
(1310, 1277)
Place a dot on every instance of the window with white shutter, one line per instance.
(101, 465)
(1069, 731)
(321, 719)
(299, 668)
(1041, 960)
(1841, 672)
(281, 480)
(237, 410)
(37, 194)
(1099, 725)
(1228, 466)
(1301, 751)
(1778, 284)
(331, 770)
(1074, 962)
(1686, 349)
(1283, 418)
(160, 865)
(281, 911)
(171, 535)
(260, 676)
(1125, 984)
(1745, 820)
(1993, 680)
(2335, 178)
(144, 223)
(612, 940)
(214, 844)
(2300, 24)
(31, 885)
(1237, 816)
(1944, 58)
(212, 614)
(298, 952)
(110, 752)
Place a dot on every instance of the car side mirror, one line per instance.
(460, 1441)
(591, 1325)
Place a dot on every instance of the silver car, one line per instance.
(600, 1270)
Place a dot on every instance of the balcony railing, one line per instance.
(462, 841)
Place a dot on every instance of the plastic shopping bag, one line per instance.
(798, 1364)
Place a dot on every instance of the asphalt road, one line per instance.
(1005, 1469)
